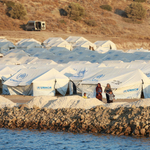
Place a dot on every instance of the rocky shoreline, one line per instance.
(132, 121)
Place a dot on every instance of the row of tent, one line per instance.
(38, 71)
(126, 80)
(62, 56)
(70, 43)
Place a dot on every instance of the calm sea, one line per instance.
(45, 140)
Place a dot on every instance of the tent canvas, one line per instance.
(86, 44)
(106, 44)
(48, 82)
(64, 44)
(21, 82)
(52, 40)
(126, 83)
(74, 39)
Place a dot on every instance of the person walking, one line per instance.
(99, 92)
(107, 91)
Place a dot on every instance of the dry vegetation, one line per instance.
(98, 22)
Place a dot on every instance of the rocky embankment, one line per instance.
(119, 121)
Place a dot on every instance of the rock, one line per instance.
(142, 131)
(127, 130)
(136, 132)
(115, 117)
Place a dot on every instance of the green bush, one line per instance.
(135, 11)
(18, 11)
(75, 11)
(91, 22)
(140, 1)
(10, 4)
(106, 7)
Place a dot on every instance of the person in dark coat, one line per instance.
(99, 92)
(107, 91)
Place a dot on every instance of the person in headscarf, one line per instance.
(99, 92)
(107, 91)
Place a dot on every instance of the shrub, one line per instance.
(62, 21)
(106, 7)
(75, 11)
(91, 22)
(135, 11)
(18, 11)
(10, 4)
(140, 1)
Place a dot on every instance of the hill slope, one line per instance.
(110, 25)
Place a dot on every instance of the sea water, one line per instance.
(45, 140)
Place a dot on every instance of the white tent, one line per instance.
(20, 83)
(52, 40)
(74, 39)
(106, 44)
(64, 44)
(33, 51)
(49, 82)
(5, 73)
(126, 83)
(86, 44)
(28, 45)
(6, 46)
(44, 55)
(27, 40)
(69, 72)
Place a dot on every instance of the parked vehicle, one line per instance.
(36, 25)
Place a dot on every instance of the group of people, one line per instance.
(109, 94)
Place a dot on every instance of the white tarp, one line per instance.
(48, 82)
(20, 83)
(126, 83)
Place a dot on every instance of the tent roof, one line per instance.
(53, 39)
(52, 74)
(27, 40)
(24, 77)
(74, 39)
(117, 77)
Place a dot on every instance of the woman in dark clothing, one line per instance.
(107, 91)
(99, 92)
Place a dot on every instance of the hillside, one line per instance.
(110, 25)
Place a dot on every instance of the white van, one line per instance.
(36, 25)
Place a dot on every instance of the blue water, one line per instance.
(45, 140)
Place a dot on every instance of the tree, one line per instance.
(135, 11)
(18, 11)
(75, 11)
